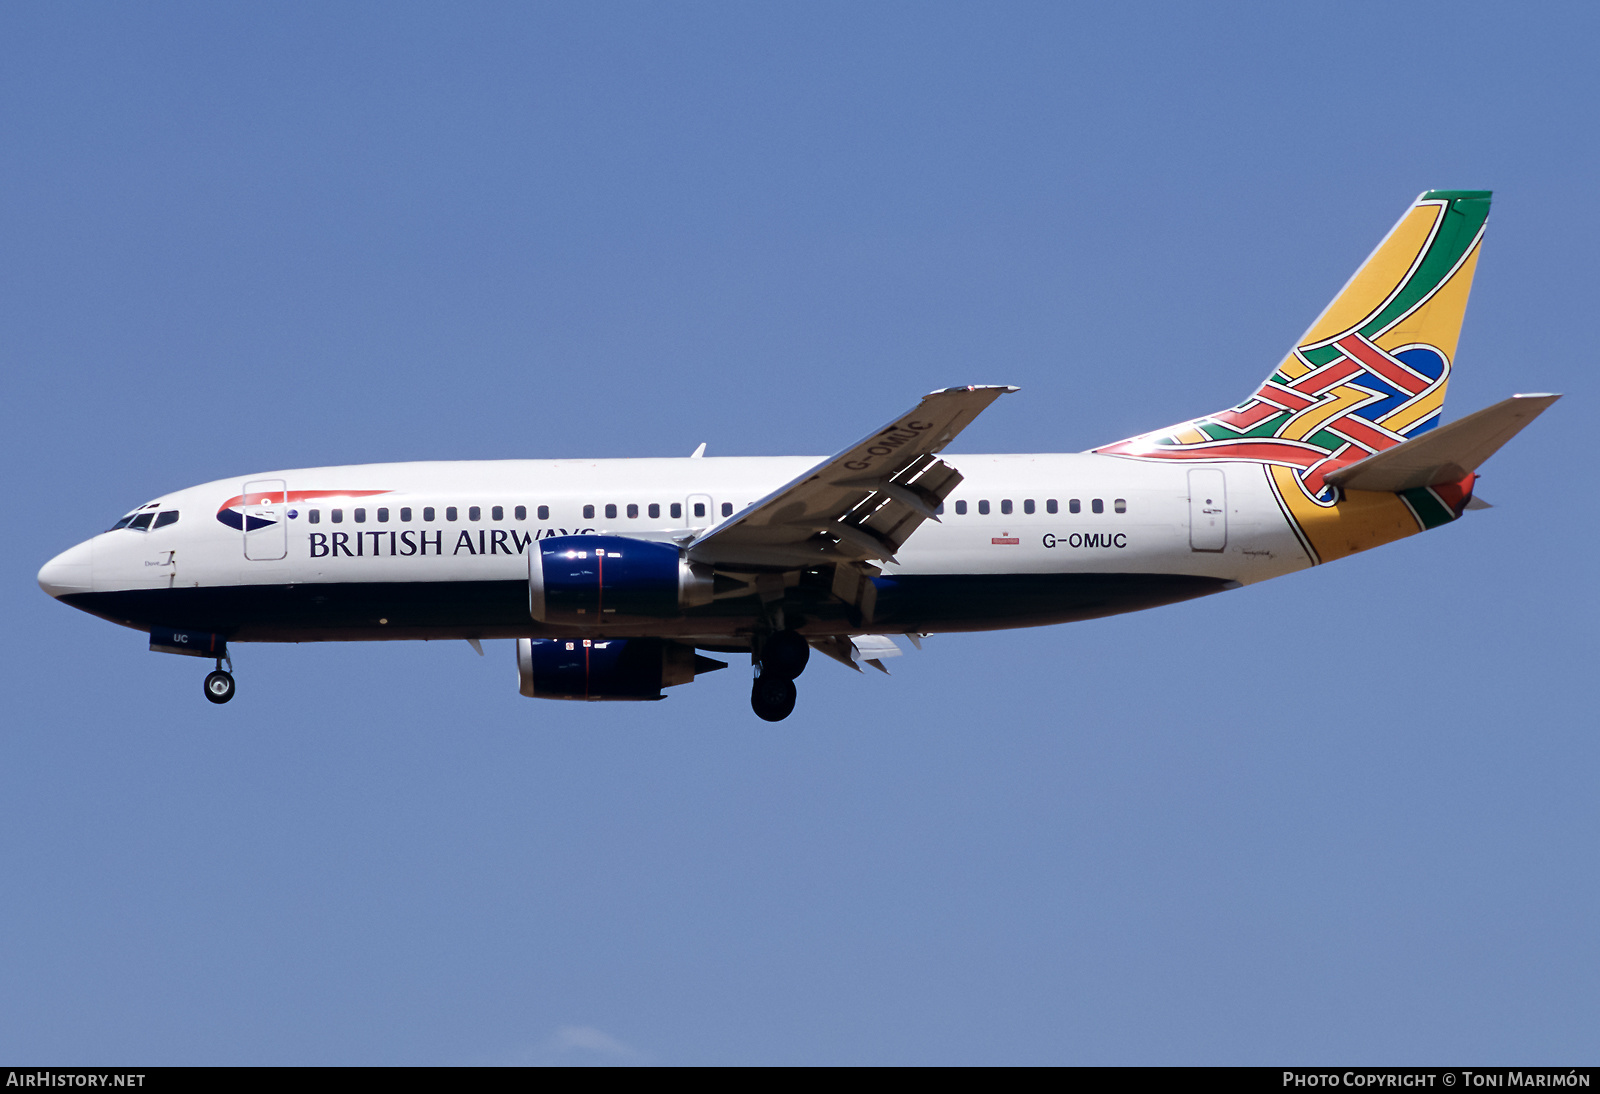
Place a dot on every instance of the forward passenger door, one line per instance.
(265, 510)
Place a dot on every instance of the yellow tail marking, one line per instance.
(1377, 280)
(1407, 416)
(1363, 520)
(1334, 403)
(1293, 367)
(1437, 321)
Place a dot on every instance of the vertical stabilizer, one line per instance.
(1371, 372)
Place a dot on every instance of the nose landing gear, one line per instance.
(219, 684)
(781, 658)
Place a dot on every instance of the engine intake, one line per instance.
(603, 580)
(606, 668)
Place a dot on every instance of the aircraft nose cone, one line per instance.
(69, 572)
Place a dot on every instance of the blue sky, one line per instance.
(1345, 816)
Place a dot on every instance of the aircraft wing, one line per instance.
(857, 507)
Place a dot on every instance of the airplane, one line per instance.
(612, 575)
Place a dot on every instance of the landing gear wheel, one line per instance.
(772, 698)
(785, 654)
(219, 686)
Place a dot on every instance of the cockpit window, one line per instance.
(139, 519)
(165, 517)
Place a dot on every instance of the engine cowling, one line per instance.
(597, 581)
(606, 668)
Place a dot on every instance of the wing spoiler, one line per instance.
(1447, 454)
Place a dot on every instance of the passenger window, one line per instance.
(727, 508)
(1074, 506)
(474, 513)
(544, 512)
(983, 508)
(1027, 506)
(677, 511)
(938, 510)
(497, 513)
(1050, 506)
(314, 516)
(633, 511)
(521, 512)
(1098, 505)
(336, 516)
(611, 512)
(699, 508)
(588, 512)
(361, 516)
(383, 516)
(1005, 507)
(655, 510)
(961, 508)
(1120, 505)
(427, 512)
(450, 512)
(405, 515)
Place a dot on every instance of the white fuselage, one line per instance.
(443, 542)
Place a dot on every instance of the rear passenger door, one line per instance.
(1208, 510)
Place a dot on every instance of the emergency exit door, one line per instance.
(698, 511)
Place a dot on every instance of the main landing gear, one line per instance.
(219, 684)
(780, 659)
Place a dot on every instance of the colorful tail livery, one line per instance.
(1370, 374)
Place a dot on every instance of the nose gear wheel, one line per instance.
(219, 686)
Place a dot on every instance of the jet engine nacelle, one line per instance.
(601, 580)
(606, 668)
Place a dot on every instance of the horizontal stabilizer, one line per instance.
(1447, 454)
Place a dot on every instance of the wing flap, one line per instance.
(853, 651)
